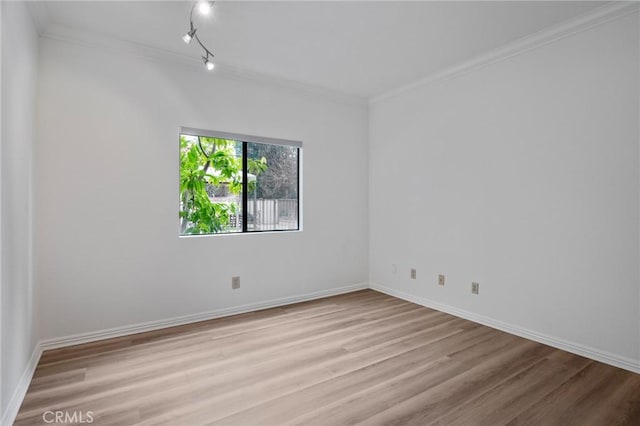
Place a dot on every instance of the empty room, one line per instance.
(320, 213)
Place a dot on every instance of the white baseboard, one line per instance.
(9, 415)
(93, 336)
(11, 411)
(592, 353)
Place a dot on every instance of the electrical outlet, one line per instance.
(475, 288)
(235, 282)
(440, 279)
(413, 273)
(394, 268)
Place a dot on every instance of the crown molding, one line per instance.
(114, 45)
(596, 17)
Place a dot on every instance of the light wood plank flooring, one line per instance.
(360, 358)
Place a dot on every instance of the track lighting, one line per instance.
(204, 7)
(189, 36)
(207, 63)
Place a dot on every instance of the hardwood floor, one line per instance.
(363, 357)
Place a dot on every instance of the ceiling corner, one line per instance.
(40, 14)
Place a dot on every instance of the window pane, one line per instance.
(210, 185)
(272, 196)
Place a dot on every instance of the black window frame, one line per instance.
(245, 140)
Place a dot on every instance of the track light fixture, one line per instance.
(204, 7)
(189, 36)
(207, 63)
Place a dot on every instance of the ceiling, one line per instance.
(356, 48)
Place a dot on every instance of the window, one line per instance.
(233, 183)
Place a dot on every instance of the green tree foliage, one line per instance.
(205, 163)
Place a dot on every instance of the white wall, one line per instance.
(522, 175)
(108, 252)
(18, 301)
